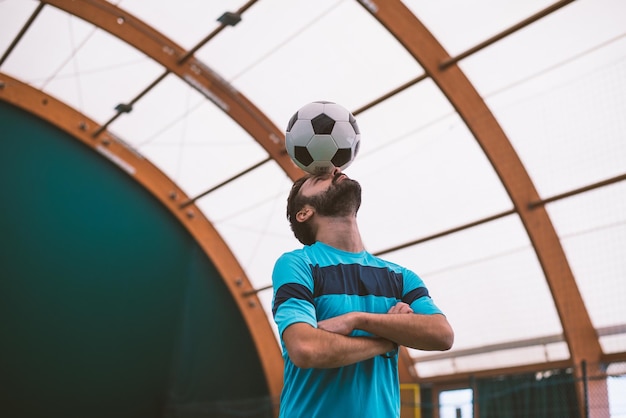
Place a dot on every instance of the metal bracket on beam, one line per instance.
(229, 19)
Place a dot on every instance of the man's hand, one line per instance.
(422, 332)
(342, 324)
(400, 308)
(345, 324)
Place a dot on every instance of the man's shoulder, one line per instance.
(374, 260)
(306, 251)
(296, 253)
(295, 256)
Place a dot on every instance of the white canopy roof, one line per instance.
(432, 198)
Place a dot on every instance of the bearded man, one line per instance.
(341, 312)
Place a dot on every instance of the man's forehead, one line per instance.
(306, 183)
(311, 180)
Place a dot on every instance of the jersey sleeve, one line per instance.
(416, 295)
(293, 292)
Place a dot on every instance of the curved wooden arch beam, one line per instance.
(579, 332)
(166, 191)
(155, 45)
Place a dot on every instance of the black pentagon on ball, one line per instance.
(303, 155)
(322, 124)
(341, 157)
(352, 121)
(293, 120)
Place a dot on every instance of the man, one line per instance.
(342, 313)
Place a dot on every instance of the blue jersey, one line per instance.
(319, 282)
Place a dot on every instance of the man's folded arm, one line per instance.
(310, 347)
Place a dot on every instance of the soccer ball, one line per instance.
(321, 136)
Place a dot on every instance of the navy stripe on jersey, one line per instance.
(288, 291)
(415, 294)
(355, 279)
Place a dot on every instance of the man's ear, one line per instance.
(305, 213)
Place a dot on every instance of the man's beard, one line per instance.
(342, 198)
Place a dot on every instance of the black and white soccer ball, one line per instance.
(321, 136)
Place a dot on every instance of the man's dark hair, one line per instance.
(295, 202)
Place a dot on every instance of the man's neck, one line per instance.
(341, 233)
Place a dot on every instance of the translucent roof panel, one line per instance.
(306, 51)
(189, 138)
(80, 64)
(566, 147)
(186, 23)
(424, 162)
(460, 25)
(465, 271)
(592, 228)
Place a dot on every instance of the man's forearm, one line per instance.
(422, 332)
(310, 347)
